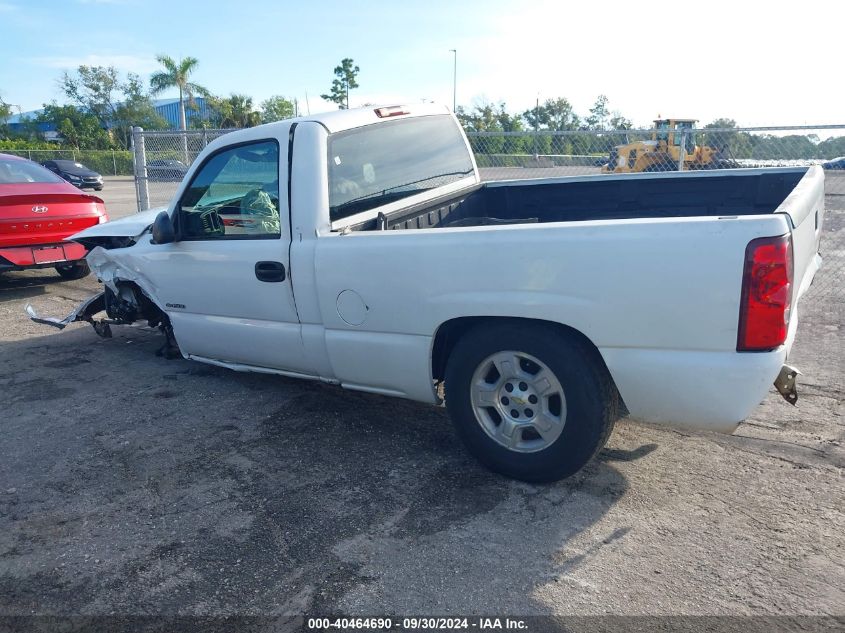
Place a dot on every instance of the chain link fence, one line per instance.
(104, 161)
(671, 147)
(161, 159)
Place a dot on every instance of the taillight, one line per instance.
(766, 294)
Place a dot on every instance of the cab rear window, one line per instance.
(381, 163)
(15, 172)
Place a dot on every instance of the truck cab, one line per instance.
(674, 133)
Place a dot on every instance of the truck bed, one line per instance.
(671, 195)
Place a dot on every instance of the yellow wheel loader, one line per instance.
(672, 148)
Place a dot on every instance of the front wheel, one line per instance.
(530, 401)
(73, 271)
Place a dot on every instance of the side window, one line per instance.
(234, 195)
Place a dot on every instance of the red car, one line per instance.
(38, 210)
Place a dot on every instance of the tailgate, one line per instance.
(805, 208)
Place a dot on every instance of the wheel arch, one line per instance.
(451, 331)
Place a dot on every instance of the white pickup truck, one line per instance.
(361, 248)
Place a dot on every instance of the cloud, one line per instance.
(141, 64)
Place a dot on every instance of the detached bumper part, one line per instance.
(116, 308)
(84, 312)
(785, 383)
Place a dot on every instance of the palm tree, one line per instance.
(176, 75)
(240, 112)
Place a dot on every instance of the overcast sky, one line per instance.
(761, 63)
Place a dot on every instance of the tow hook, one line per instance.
(785, 384)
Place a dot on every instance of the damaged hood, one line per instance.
(130, 226)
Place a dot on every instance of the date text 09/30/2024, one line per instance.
(417, 623)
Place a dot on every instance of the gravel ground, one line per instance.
(132, 484)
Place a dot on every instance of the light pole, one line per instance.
(454, 77)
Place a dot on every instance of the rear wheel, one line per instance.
(76, 270)
(661, 166)
(530, 401)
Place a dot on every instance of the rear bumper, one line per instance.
(704, 390)
(40, 255)
(713, 391)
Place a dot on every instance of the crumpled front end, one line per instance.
(128, 297)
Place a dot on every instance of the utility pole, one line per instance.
(454, 52)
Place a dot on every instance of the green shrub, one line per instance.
(107, 162)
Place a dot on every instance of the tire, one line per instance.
(73, 271)
(98, 188)
(586, 409)
(660, 167)
(724, 163)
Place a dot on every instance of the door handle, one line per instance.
(270, 271)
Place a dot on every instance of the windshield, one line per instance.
(661, 130)
(683, 126)
(377, 164)
(23, 171)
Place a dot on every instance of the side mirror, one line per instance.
(163, 231)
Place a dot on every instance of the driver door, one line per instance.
(225, 281)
